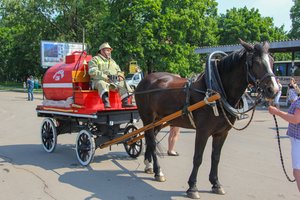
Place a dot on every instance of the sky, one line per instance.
(279, 10)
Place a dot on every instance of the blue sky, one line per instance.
(279, 10)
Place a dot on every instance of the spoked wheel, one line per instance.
(85, 147)
(134, 149)
(48, 135)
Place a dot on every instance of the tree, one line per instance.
(23, 24)
(295, 17)
(248, 25)
(161, 34)
(19, 47)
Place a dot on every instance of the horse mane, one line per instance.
(226, 63)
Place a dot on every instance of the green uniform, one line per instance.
(99, 70)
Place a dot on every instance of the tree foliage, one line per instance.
(295, 17)
(248, 25)
(160, 34)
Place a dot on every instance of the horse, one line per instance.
(160, 94)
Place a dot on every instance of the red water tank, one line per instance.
(62, 79)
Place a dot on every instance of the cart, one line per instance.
(94, 126)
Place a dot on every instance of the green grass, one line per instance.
(11, 84)
(16, 86)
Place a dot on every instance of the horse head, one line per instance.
(259, 68)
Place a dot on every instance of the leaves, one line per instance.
(248, 25)
(295, 17)
(160, 34)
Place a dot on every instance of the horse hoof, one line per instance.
(193, 194)
(160, 178)
(218, 190)
(149, 171)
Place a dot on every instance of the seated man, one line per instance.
(106, 75)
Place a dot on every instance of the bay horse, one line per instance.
(160, 94)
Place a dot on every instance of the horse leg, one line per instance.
(159, 176)
(151, 154)
(217, 144)
(148, 155)
(200, 142)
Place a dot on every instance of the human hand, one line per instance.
(121, 76)
(273, 110)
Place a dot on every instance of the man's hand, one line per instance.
(121, 76)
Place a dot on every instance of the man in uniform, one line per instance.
(107, 75)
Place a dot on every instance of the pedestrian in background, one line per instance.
(24, 86)
(278, 95)
(36, 83)
(293, 117)
(173, 137)
(30, 86)
(293, 90)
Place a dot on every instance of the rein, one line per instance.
(280, 151)
(156, 90)
(228, 121)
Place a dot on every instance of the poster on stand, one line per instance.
(53, 53)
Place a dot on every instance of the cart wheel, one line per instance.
(48, 135)
(85, 147)
(135, 149)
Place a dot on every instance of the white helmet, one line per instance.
(105, 45)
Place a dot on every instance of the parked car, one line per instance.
(134, 79)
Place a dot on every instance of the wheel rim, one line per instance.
(85, 147)
(48, 135)
(135, 149)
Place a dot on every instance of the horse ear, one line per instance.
(247, 46)
(266, 46)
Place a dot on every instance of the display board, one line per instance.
(55, 52)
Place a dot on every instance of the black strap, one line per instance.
(187, 87)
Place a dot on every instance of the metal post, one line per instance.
(83, 38)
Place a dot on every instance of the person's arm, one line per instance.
(291, 118)
(120, 73)
(94, 70)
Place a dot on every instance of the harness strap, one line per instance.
(187, 91)
(191, 118)
(185, 110)
(213, 105)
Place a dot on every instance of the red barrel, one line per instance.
(62, 79)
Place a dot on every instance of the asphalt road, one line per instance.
(250, 166)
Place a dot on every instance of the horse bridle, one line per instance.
(256, 82)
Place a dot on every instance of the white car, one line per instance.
(134, 79)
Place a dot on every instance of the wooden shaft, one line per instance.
(143, 135)
(136, 139)
(161, 121)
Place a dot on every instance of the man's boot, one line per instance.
(105, 100)
(125, 103)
